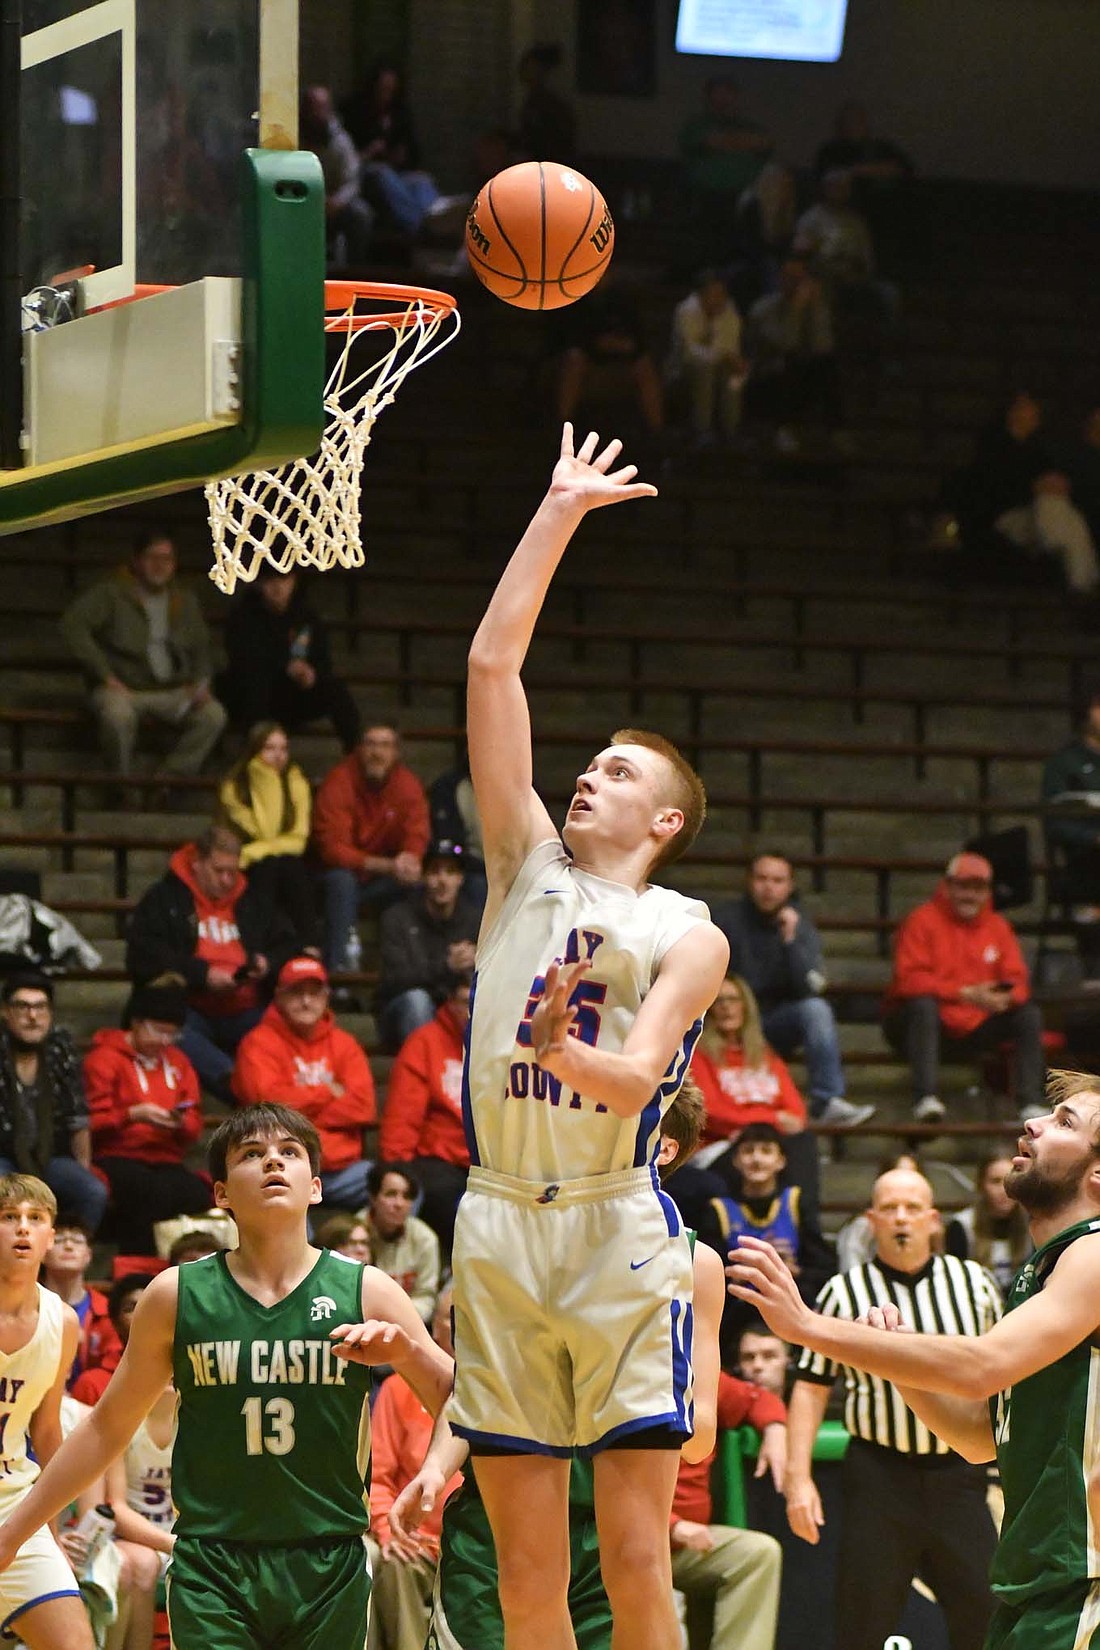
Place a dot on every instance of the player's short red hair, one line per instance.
(686, 792)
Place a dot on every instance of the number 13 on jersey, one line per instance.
(268, 1427)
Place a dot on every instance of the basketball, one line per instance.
(539, 235)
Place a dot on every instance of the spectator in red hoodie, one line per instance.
(203, 922)
(299, 1057)
(743, 1081)
(370, 828)
(422, 1120)
(145, 1113)
(959, 975)
(730, 1577)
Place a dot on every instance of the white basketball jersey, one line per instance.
(149, 1478)
(519, 1120)
(25, 1378)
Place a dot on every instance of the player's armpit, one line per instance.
(707, 1302)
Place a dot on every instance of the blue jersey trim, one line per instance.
(671, 1213)
(681, 1358)
(647, 1141)
(670, 1419)
(467, 1103)
(32, 1603)
(503, 1440)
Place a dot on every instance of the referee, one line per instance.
(910, 1504)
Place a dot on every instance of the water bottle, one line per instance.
(353, 950)
(96, 1528)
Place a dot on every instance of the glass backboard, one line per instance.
(148, 144)
(133, 116)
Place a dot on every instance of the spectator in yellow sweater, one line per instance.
(266, 799)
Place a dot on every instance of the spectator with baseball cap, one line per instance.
(960, 978)
(299, 1057)
(144, 1107)
(426, 937)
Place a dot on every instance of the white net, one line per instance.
(307, 512)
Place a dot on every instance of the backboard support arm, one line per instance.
(278, 74)
(11, 200)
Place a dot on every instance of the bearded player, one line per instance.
(1028, 1391)
(572, 1271)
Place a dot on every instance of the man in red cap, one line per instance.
(959, 974)
(299, 1057)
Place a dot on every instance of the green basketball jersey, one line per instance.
(1047, 1429)
(273, 1436)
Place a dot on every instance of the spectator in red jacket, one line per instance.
(144, 1112)
(743, 1081)
(730, 1577)
(370, 828)
(121, 1306)
(422, 1121)
(299, 1057)
(959, 974)
(67, 1260)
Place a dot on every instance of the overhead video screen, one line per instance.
(792, 31)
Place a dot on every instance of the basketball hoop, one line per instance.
(307, 512)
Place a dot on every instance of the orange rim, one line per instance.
(421, 304)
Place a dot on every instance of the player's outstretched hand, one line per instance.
(415, 1502)
(760, 1276)
(553, 1016)
(585, 477)
(373, 1342)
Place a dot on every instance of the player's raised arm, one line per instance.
(1033, 1335)
(497, 720)
(139, 1380)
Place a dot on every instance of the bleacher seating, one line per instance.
(784, 624)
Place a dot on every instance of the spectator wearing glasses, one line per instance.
(43, 1116)
(144, 1105)
(960, 979)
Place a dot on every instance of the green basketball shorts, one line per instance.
(1065, 1619)
(231, 1595)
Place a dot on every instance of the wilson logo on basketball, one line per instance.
(602, 233)
(475, 233)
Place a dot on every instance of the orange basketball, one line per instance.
(539, 235)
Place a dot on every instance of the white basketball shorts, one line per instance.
(39, 1571)
(572, 1307)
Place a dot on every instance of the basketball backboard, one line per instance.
(148, 143)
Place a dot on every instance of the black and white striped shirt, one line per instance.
(946, 1297)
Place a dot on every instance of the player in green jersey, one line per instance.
(1027, 1391)
(267, 1347)
(467, 1614)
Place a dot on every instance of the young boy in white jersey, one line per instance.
(39, 1335)
(572, 1271)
